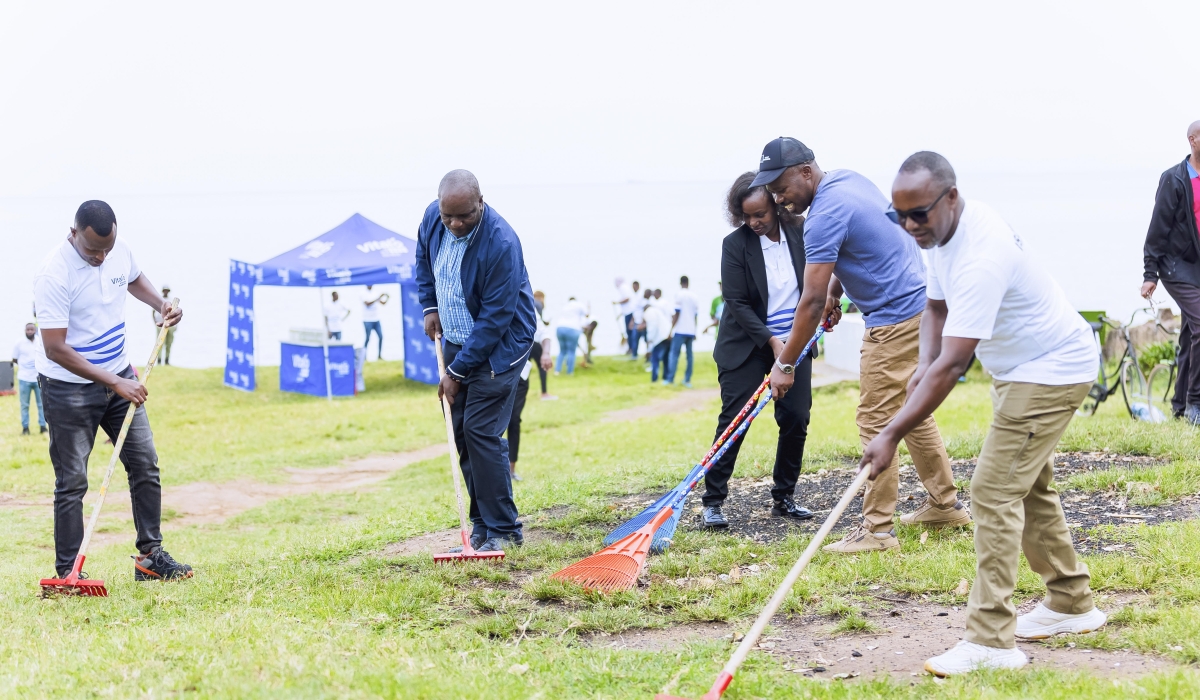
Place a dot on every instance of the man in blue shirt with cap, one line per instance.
(879, 267)
(475, 291)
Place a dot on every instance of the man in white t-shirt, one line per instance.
(626, 296)
(335, 313)
(87, 383)
(372, 303)
(987, 297)
(25, 360)
(683, 323)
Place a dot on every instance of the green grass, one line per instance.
(295, 598)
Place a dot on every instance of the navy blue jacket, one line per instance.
(496, 286)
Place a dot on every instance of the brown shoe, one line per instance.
(860, 539)
(930, 515)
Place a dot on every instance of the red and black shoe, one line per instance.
(157, 565)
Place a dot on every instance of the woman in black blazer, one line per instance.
(759, 306)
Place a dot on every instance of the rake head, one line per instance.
(468, 553)
(74, 584)
(615, 568)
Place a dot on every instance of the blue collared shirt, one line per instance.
(1191, 171)
(447, 272)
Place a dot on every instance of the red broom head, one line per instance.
(604, 572)
(82, 587)
(465, 556)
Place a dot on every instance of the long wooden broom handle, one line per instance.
(112, 462)
(781, 593)
(455, 470)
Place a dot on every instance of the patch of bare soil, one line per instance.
(684, 401)
(748, 506)
(909, 632)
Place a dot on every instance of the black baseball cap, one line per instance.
(781, 153)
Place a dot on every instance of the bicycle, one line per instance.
(1147, 398)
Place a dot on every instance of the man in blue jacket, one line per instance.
(476, 295)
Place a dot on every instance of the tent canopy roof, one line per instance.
(357, 251)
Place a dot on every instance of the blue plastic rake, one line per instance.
(677, 497)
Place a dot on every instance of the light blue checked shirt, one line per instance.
(447, 273)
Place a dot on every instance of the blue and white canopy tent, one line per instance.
(356, 252)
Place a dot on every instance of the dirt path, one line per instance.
(911, 631)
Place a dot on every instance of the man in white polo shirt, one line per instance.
(87, 383)
(683, 324)
(988, 297)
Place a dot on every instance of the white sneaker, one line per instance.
(967, 656)
(1043, 623)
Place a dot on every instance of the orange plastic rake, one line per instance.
(616, 567)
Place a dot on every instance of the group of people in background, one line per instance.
(668, 330)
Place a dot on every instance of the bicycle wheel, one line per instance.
(1136, 392)
(1161, 387)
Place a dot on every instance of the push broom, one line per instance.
(468, 552)
(616, 567)
(73, 584)
(781, 593)
(662, 536)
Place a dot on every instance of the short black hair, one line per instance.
(935, 164)
(96, 215)
(684, 280)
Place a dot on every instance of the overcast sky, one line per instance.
(308, 112)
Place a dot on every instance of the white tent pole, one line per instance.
(325, 342)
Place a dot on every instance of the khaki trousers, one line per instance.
(889, 358)
(1016, 508)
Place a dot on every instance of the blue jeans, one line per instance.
(369, 326)
(568, 339)
(677, 341)
(24, 388)
(335, 335)
(631, 334)
(658, 355)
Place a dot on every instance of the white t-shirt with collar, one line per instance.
(25, 353)
(687, 307)
(335, 313)
(89, 302)
(996, 293)
(370, 312)
(783, 288)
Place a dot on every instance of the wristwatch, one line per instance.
(786, 369)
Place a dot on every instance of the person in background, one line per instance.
(716, 309)
(763, 260)
(851, 245)
(589, 330)
(475, 294)
(683, 328)
(164, 357)
(1172, 254)
(540, 354)
(637, 324)
(568, 326)
(88, 384)
(25, 361)
(541, 342)
(988, 296)
(647, 297)
(372, 304)
(657, 296)
(624, 302)
(335, 313)
(658, 337)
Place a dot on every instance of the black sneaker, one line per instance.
(787, 508)
(24, 431)
(157, 565)
(476, 542)
(498, 544)
(713, 517)
(42, 430)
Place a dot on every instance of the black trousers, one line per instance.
(480, 413)
(536, 355)
(1187, 363)
(75, 412)
(514, 423)
(791, 414)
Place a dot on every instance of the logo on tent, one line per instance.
(301, 362)
(316, 249)
(388, 247)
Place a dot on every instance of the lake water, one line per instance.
(1087, 228)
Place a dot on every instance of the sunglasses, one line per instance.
(921, 216)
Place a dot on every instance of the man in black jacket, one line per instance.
(762, 268)
(1172, 254)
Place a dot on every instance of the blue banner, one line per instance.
(420, 358)
(239, 341)
(302, 369)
